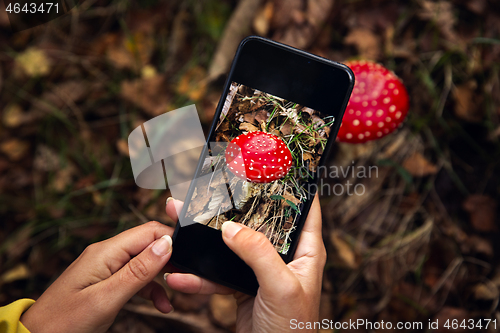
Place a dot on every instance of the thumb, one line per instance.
(140, 270)
(256, 251)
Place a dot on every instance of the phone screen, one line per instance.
(268, 192)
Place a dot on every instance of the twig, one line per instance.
(237, 28)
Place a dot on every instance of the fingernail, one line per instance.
(165, 276)
(168, 200)
(229, 229)
(162, 246)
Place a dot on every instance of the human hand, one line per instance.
(90, 292)
(285, 292)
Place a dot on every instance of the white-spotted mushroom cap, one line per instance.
(258, 157)
(378, 104)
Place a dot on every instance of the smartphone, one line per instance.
(279, 115)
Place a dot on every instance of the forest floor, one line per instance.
(420, 242)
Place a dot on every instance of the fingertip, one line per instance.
(160, 300)
(173, 208)
(230, 229)
(193, 284)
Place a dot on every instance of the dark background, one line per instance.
(420, 243)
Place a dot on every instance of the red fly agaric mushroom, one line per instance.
(378, 105)
(258, 157)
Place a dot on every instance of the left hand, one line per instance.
(90, 292)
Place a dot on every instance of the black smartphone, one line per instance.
(275, 122)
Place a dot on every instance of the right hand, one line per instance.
(285, 292)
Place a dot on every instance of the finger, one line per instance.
(154, 292)
(311, 240)
(257, 251)
(192, 284)
(173, 208)
(119, 249)
(139, 271)
(310, 257)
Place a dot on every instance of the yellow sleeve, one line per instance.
(10, 315)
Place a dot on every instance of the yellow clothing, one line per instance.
(10, 315)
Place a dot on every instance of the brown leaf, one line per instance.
(365, 41)
(248, 127)
(132, 52)
(63, 179)
(122, 147)
(482, 212)
(148, 94)
(344, 250)
(318, 11)
(65, 93)
(223, 310)
(193, 83)
(441, 13)
(480, 245)
(263, 18)
(285, 10)
(286, 128)
(306, 156)
(417, 165)
(291, 198)
(299, 22)
(33, 62)
(46, 159)
(15, 149)
(19, 272)
(466, 103)
(201, 197)
(485, 291)
(12, 115)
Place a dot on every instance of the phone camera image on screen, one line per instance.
(260, 162)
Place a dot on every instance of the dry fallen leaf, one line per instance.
(480, 245)
(417, 165)
(306, 156)
(485, 291)
(365, 41)
(65, 93)
(19, 272)
(122, 147)
(466, 103)
(344, 250)
(223, 310)
(12, 115)
(148, 94)
(248, 127)
(482, 212)
(15, 149)
(263, 18)
(63, 178)
(46, 159)
(132, 52)
(193, 83)
(299, 22)
(148, 72)
(441, 13)
(33, 62)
